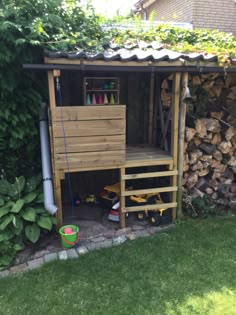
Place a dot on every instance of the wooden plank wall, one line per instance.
(89, 136)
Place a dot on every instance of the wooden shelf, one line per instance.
(101, 91)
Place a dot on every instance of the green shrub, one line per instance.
(199, 207)
(22, 215)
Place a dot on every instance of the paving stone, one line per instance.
(91, 246)
(154, 229)
(143, 233)
(119, 240)
(84, 242)
(109, 233)
(98, 239)
(123, 231)
(36, 263)
(62, 255)
(50, 257)
(137, 227)
(4, 273)
(82, 250)
(135, 234)
(72, 253)
(19, 268)
(106, 243)
(131, 236)
(41, 253)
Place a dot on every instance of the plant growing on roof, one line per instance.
(22, 215)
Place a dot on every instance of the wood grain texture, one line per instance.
(90, 112)
(86, 159)
(89, 144)
(89, 128)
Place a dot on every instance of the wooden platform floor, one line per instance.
(146, 155)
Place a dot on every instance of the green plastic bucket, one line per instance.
(69, 240)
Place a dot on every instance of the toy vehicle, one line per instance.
(154, 216)
(90, 200)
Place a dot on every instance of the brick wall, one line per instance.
(211, 14)
(172, 10)
(215, 14)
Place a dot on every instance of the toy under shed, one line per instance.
(109, 116)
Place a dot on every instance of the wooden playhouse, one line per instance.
(89, 131)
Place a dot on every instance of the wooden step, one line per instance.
(148, 191)
(149, 207)
(149, 175)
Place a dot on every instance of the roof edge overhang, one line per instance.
(129, 66)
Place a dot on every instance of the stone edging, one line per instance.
(98, 242)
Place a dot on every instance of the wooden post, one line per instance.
(122, 198)
(57, 190)
(182, 118)
(151, 105)
(174, 132)
(155, 109)
(55, 174)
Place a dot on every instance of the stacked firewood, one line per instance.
(210, 144)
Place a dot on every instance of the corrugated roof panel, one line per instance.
(135, 54)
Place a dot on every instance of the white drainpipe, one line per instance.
(46, 164)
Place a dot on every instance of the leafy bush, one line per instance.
(22, 215)
(199, 207)
(26, 29)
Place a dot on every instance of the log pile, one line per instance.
(210, 143)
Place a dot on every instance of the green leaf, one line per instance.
(6, 235)
(18, 206)
(33, 183)
(6, 220)
(5, 261)
(6, 208)
(18, 224)
(32, 232)
(40, 198)
(40, 210)
(45, 223)
(29, 214)
(30, 197)
(5, 187)
(20, 182)
(18, 247)
(54, 220)
(1, 202)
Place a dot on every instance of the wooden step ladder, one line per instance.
(172, 173)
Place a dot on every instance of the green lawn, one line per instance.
(188, 270)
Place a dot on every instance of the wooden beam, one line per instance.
(151, 207)
(150, 175)
(166, 125)
(156, 106)
(51, 86)
(182, 118)
(122, 198)
(66, 61)
(57, 194)
(148, 191)
(151, 105)
(174, 133)
(133, 163)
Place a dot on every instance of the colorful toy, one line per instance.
(68, 230)
(90, 200)
(114, 213)
(76, 201)
(154, 216)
